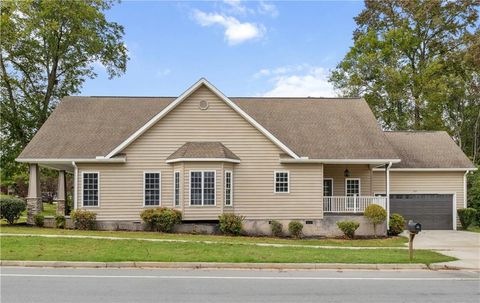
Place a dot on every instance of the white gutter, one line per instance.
(341, 161)
(428, 169)
(69, 161)
(75, 185)
(202, 160)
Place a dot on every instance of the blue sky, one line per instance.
(245, 48)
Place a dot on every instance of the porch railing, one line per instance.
(353, 204)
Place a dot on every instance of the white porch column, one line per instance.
(61, 192)
(387, 190)
(34, 199)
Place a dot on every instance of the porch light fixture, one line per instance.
(346, 173)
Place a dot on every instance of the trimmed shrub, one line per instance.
(84, 219)
(60, 221)
(39, 220)
(276, 228)
(396, 224)
(161, 219)
(466, 216)
(348, 228)
(11, 208)
(376, 215)
(295, 228)
(230, 224)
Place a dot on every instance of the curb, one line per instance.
(217, 265)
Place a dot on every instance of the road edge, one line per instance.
(221, 265)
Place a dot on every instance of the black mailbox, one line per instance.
(414, 227)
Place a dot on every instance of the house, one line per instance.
(317, 160)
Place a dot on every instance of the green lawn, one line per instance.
(62, 249)
(475, 229)
(388, 242)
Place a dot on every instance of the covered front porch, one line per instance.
(348, 189)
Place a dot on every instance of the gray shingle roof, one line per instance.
(318, 128)
(192, 150)
(427, 149)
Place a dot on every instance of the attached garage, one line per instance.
(433, 211)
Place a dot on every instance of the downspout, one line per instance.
(75, 185)
(387, 171)
(464, 189)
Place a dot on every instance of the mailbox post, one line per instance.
(413, 228)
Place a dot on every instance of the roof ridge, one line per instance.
(414, 131)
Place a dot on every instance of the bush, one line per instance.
(295, 228)
(396, 225)
(376, 215)
(348, 228)
(83, 219)
(466, 216)
(39, 220)
(276, 228)
(60, 221)
(231, 224)
(11, 208)
(161, 219)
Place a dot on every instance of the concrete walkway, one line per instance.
(463, 245)
(193, 241)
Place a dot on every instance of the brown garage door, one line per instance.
(432, 211)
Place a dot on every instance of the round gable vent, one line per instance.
(203, 105)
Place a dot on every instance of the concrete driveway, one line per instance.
(463, 245)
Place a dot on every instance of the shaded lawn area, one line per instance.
(383, 242)
(61, 249)
(475, 229)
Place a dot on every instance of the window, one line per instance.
(352, 187)
(282, 182)
(202, 188)
(151, 189)
(176, 188)
(327, 187)
(228, 188)
(90, 189)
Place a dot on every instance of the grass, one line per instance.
(62, 249)
(49, 209)
(381, 242)
(475, 229)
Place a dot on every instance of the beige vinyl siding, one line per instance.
(336, 172)
(121, 185)
(422, 182)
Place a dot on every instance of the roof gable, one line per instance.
(182, 98)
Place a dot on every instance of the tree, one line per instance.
(376, 215)
(416, 63)
(48, 49)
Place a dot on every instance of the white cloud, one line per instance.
(236, 32)
(267, 9)
(298, 81)
(236, 7)
(162, 73)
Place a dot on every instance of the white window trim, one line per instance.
(225, 187)
(323, 189)
(179, 188)
(203, 171)
(275, 181)
(159, 188)
(359, 185)
(98, 194)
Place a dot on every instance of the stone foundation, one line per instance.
(34, 206)
(325, 227)
(60, 207)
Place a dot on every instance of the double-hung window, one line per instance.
(176, 188)
(228, 188)
(282, 182)
(90, 189)
(327, 187)
(352, 187)
(202, 188)
(152, 188)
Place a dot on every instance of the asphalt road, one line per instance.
(141, 285)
